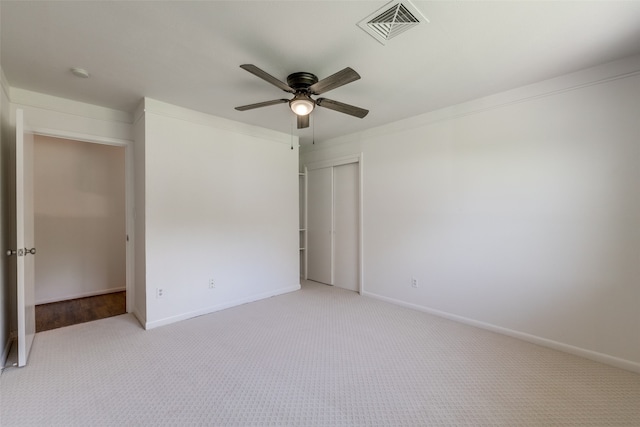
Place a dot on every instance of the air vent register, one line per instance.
(391, 20)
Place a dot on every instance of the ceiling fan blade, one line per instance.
(336, 80)
(342, 107)
(261, 104)
(267, 77)
(303, 122)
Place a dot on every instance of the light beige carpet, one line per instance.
(317, 357)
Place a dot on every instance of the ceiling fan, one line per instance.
(302, 85)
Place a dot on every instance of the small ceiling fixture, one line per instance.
(80, 72)
(391, 20)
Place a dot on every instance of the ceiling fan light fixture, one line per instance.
(303, 85)
(302, 105)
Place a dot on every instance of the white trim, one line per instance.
(305, 221)
(81, 295)
(77, 136)
(534, 339)
(68, 106)
(361, 224)
(213, 309)
(338, 161)
(493, 102)
(130, 244)
(333, 226)
(151, 106)
(605, 73)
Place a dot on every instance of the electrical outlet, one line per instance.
(414, 282)
(159, 292)
(212, 284)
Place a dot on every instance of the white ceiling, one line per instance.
(188, 53)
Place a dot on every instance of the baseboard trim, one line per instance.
(534, 339)
(213, 309)
(81, 295)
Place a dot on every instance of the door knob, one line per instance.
(21, 252)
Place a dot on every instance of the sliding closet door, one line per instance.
(320, 225)
(334, 225)
(346, 217)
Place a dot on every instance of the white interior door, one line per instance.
(320, 225)
(346, 220)
(24, 239)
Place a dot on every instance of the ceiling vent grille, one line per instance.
(392, 19)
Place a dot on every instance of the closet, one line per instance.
(80, 225)
(333, 223)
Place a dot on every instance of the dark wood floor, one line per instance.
(65, 313)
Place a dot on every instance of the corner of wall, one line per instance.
(138, 113)
(140, 318)
(139, 222)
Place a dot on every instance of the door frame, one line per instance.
(128, 194)
(345, 160)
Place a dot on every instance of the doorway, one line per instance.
(334, 223)
(80, 231)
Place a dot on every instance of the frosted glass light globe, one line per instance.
(301, 105)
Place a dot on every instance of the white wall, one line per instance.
(221, 202)
(518, 212)
(79, 193)
(233, 218)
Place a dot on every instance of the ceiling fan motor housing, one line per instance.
(301, 81)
